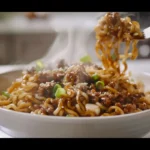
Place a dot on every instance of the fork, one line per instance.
(146, 33)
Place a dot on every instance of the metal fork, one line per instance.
(146, 33)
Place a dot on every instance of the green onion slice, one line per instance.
(100, 84)
(60, 92)
(5, 93)
(39, 65)
(86, 59)
(95, 77)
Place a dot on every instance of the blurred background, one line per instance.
(27, 36)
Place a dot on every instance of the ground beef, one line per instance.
(106, 101)
(46, 89)
(129, 108)
(45, 77)
(58, 76)
(93, 66)
(82, 86)
(49, 76)
(62, 64)
(143, 106)
(77, 74)
(93, 96)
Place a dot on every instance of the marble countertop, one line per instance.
(3, 135)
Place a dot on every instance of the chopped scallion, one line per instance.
(60, 92)
(95, 77)
(86, 59)
(56, 87)
(100, 84)
(39, 65)
(5, 93)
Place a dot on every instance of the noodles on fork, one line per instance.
(110, 32)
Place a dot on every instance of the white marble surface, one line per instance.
(3, 135)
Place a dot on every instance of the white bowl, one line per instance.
(124, 126)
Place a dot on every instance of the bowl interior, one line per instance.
(7, 78)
